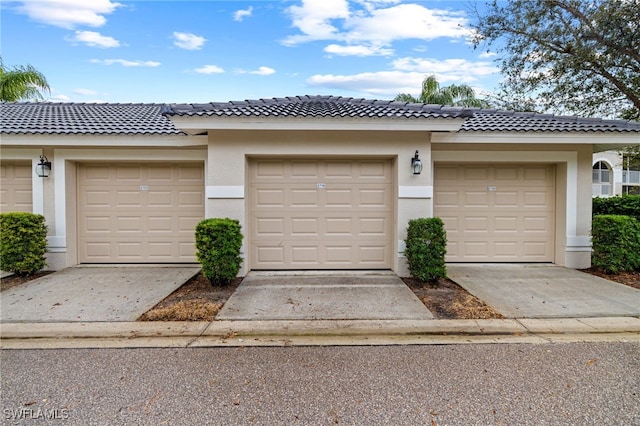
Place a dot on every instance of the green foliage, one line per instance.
(454, 95)
(616, 243)
(218, 244)
(23, 242)
(425, 248)
(21, 83)
(572, 56)
(627, 205)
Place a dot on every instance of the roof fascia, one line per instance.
(103, 140)
(198, 125)
(604, 139)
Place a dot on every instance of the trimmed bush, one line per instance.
(627, 205)
(616, 243)
(23, 243)
(218, 244)
(425, 248)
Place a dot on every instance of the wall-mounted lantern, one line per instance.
(416, 164)
(43, 168)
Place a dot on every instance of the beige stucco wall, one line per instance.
(229, 152)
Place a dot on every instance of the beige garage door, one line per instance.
(137, 213)
(320, 214)
(15, 187)
(496, 213)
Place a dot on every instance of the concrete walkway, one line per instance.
(92, 294)
(328, 296)
(545, 291)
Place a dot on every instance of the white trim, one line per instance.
(197, 124)
(578, 243)
(415, 192)
(213, 191)
(600, 141)
(111, 141)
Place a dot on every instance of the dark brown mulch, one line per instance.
(632, 279)
(447, 300)
(195, 300)
(16, 280)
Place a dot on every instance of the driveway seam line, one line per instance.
(195, 338)
(532, 333)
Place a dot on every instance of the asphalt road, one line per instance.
(551, 384)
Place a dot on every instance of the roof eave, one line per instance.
(200, 124)
(601, 139)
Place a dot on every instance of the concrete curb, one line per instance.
(321, 332)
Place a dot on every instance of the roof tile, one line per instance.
(154, 119)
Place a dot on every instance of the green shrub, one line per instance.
(616, 243)
(23, 242)
(627, 205)
(218, 244)
(426, 246)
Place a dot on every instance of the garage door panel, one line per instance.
(16, 194)
(507, 198)
(128, 173)
(509, 216)
(267, 197)
(475, 199)
(160, 199)
(320, 213)
(139, 212)
(304, 198)
(303, 169)
(338, 197)
(305, 227)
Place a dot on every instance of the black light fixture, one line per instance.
(416, 164)
(43, 168)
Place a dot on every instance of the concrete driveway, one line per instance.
(93, 294)
(315, 295)
(545, 291)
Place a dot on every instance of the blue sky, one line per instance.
(207, 50)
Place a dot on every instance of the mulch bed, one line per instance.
(447, 300)
(632, 279)
(195, 300)
(15, 280)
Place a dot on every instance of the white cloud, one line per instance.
(314, 18)
(209, 69)
(239, 15)
(94, 39)
(260, 71)
(263, 71)
(358, 50)
(188, 41)
(486, 55)
(407, 21)
(372, 23)
(377, 83)
(69, 13)
(406, 76)
(125, 62)
(451, 69)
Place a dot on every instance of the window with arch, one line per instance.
(602, 180)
